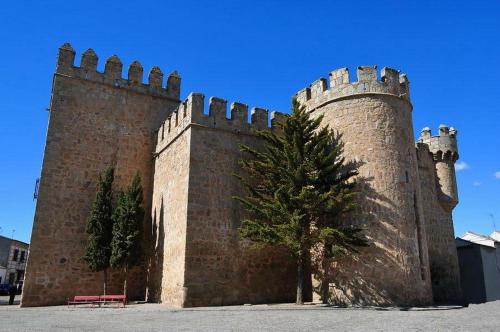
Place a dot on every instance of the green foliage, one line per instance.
(127, 229)
(299, 186)
(100, 225)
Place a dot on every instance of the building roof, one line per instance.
(495, 235)
(10, 239)
(488, 241)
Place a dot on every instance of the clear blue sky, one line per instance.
(260, 53)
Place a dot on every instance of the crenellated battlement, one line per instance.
(340, 85)
(112, 74)
(442, 146)
(191, 111)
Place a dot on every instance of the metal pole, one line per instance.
(493, 221)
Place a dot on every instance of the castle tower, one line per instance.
(437, 156)
(374, 117)
(96, 120)
(445, 152)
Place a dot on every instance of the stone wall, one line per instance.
(220, 268)
(374, 118)
(97, 120)
(169, 216)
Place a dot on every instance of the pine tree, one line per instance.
(298, 188)
(127, 229)
(336, 184)
(99, 227)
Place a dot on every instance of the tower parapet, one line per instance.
(444, 150)
(112, 74)
(443, 145)
(321, 91)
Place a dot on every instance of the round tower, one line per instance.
(437, 156)
(375, 120)
(445, 153)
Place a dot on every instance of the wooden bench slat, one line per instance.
(86, 298)
(112, 297)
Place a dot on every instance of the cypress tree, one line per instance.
(127, 229)
(99, 227)
(298, 188)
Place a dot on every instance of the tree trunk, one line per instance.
(146, 296)
(125, 282)
(325, 282)
(307, 290)
(300, 277)
(105, 277)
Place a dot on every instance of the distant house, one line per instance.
(479, 260)
(13, 257)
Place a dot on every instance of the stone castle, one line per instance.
(186, 152)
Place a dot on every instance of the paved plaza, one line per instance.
(280, 317)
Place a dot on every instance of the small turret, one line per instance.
(259, 117)
(442, 146)
(135, 72)
(391, 77)
(444, 151)
(65, 59)
(155, 78)
(89, 60)
(277, 121)
(174, 84)
(217, 108)
(113, 69)
(339, 77)
(366, 73)
(404, 86)
(425, 134)
(239, 113)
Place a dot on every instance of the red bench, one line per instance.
(98, 299)
(113, 298)
(81, 299)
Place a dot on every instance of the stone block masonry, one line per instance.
(187, 158)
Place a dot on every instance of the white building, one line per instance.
(479, 259)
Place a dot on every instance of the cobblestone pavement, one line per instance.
(281, 317)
